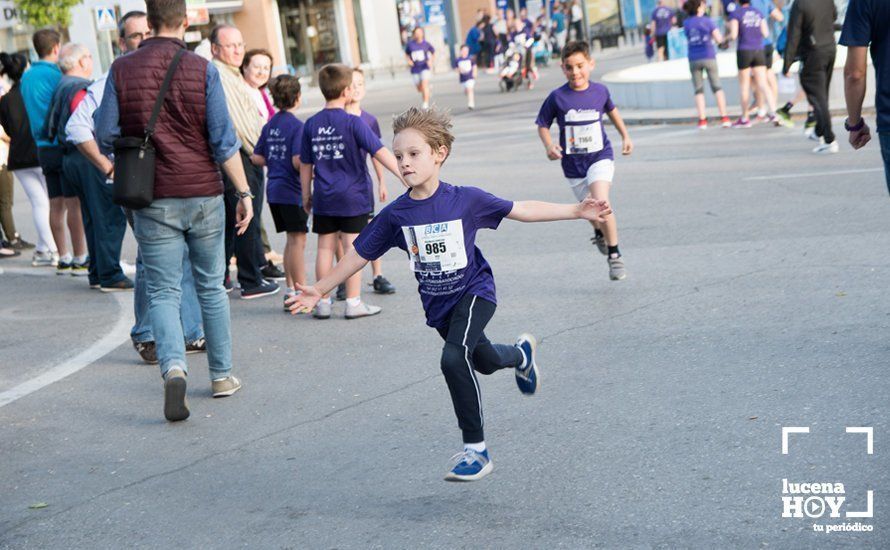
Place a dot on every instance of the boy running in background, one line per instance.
(436, 224)
(584, 148)
(421, 58)
(354, 107)
(466, 69)
(332, 154)
(279, 150)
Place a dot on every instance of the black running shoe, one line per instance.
(147, 351)
(272, 272)
(383, 286)
(266, 288)
(341, 292)
(196, 346)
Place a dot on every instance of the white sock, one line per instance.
(353, 302)
(478, 447)
(66, 259)
(426, 105)
(326, 300)
(81, 259)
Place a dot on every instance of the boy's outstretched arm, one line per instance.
(554, 151)
(627, 146)
(388, 160)
(349, 265)
(538, 211)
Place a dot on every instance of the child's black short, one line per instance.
(322, 225)
(289, 218)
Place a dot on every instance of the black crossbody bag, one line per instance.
(134, 157)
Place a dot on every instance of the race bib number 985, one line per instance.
(436, 246)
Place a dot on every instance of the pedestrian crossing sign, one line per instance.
(105, 20)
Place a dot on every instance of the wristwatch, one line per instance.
(855, 128)
(244, 194)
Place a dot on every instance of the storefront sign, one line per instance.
(434, 10)
(9, 15)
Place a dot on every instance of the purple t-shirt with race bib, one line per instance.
(750, 36)
(465, 68)
(579, 114)
(439, 235)
(663, 17)
(279, 142)
(698, 34)
(335, 143)
(420, 53)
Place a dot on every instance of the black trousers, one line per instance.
(815, 78)
(466, 352)
(247, 248)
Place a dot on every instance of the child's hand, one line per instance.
(627, 146)
(307, 204)
(303, 302)
(383, 193)
(554, 152)
(594, 210)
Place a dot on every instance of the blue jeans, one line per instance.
(189, 312)
(884, 137)
(164, 230)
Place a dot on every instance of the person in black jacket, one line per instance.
(23, 161)
(811, 39)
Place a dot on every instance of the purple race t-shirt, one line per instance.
(439, 235)
(372, 123)
(279, 142)
(465, 68)
(698, 34)
(420, 53)
(579, 114)
(663, 17)
(335, 142)
(750, 36)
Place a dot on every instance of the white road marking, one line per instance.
(118, 333)
(814, 174)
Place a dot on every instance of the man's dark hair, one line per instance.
(165, 14)
(333, 79)
(573, 47)
(13, 65)
(214, 33)
(285, 90)
(123, 22)
(691, 7)
(44, 41)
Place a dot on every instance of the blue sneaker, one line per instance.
(470, 466)
(527, 378)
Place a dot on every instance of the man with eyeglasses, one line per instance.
(132, 29)
(227, 47)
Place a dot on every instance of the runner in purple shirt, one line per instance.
(466, 70)
(421, 58)
(701, 33)
(749, 26)
(436, 223)
(662, 20)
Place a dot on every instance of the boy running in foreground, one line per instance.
(436, 224)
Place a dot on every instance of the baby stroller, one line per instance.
(513, 72)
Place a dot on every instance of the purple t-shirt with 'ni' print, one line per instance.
(465, 68)
(582, 136)
(439, 235)
(420, 53)
(663, 17)
(335, 142)
(699, 35)
(750, 35)
(279, 142)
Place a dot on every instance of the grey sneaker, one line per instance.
(616, 268)
(176, 405)
(43, 259)
(600, 241)
(361, 310)
(322, 310)
(225, 387)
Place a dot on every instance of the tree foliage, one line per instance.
(46, 13)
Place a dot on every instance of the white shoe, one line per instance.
(128, 268)
(826, 148)
(361, 310)
(322, 309)
(44, 259)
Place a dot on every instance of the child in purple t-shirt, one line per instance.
(380, 283)
(661, 22)
(749, 26)
(278, 149)
(466, 70)
(335, 179)
(587, 160)
(421, 58)
(436, 223)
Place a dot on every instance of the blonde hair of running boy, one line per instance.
(577, 68)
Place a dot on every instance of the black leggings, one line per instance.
(466, 352)
(815, 79)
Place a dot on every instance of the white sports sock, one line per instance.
(353, 302)
(66, 259)
(426, 105)
(80, 259)
(326, 300)
(478, 447)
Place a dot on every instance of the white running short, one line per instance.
(601, 170)
(420, 77)
(469, 84)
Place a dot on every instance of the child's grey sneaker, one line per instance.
(616, 268)
(361, 310)
(176, 406)
(322, 310)
(43, 259)
(225, 387)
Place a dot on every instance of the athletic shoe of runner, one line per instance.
(742, 123)
(703, 124)
(470, 465)
(527, 377)
(725, 122)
